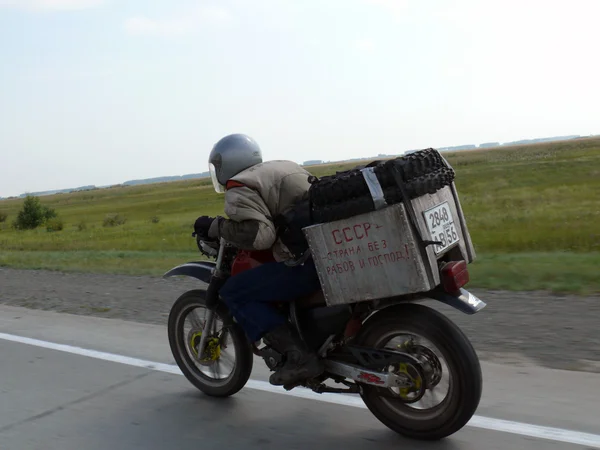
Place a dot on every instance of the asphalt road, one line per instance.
(56, 393)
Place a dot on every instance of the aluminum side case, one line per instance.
(379, 254)
(368, 257)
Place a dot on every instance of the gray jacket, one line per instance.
(254, 197)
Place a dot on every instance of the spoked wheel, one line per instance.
(445, 390)
(224, 366)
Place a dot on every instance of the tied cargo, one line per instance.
(402, 249)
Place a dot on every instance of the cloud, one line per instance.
(365, 45)
(50, 5)
(396, 7)
(70, 74)
(177, 25)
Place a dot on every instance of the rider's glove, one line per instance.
(202, 226)
(208, 227)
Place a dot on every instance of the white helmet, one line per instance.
(230, 156)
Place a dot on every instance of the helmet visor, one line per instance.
(219, 188)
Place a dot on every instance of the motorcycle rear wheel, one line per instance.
(463, 367)
(183, 351)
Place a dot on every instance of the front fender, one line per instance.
(464, 301)
(201, 270)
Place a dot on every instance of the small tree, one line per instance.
(3, 217)
(33, 214)
(49, 213)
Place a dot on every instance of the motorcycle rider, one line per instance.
(256, 193)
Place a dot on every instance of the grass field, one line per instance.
(533, 212)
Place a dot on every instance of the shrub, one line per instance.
(154, 219)
(33, 214)
(54, 224)
(113, 220)
(82, 226)
(3, 217)
(48, 213)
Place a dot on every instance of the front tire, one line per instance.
(463, 367)
(183, 349)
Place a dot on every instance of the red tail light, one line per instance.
(454, 275)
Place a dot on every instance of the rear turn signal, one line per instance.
(454, 275)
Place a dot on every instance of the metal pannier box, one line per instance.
(380, 254)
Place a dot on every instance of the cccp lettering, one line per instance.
(347, 234)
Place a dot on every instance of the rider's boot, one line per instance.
(300, 363)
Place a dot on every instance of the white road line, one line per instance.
(486, 423)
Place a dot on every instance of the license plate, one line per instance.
(441, 226)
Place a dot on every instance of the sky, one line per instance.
(103, 91)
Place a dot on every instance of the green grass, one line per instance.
(533, 212)
(575, 273)
(121, 262)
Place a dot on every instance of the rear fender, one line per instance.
(201, 270)
(463, 300)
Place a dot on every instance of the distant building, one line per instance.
(458, 147)
(59, 191)
(489, 144)
(314, 162)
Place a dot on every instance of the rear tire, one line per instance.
(463, 364)
(242, 349)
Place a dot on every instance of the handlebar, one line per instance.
(207, 247)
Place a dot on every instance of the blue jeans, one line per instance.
(248, 294)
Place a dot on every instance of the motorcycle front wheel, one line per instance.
(453, 379)
(224, 366)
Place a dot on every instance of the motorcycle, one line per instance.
(415, 370)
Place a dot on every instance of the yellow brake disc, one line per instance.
(212, 351)
(416, 380)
